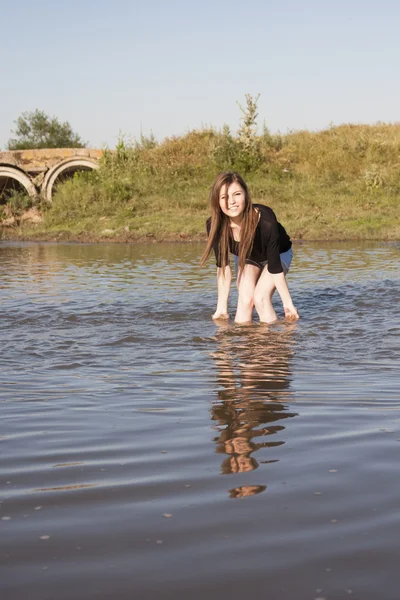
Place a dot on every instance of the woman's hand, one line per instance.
(291, 313)
(224, 278)
(220, 315)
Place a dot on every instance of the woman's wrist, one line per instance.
(222, 307)
(220, 314)
(288, 304)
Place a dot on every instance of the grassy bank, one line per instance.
(338, 184)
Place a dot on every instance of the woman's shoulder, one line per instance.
(266, 212)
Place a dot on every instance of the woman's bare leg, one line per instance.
(246, 283)
(263, 293)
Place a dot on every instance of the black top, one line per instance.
(270, 240)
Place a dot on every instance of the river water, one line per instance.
(148, 452)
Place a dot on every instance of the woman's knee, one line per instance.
(261, 300)
(246, 300)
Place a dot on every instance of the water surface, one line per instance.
(147, 452)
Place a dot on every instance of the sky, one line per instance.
(170, 66)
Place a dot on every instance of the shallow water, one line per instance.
(147, 452)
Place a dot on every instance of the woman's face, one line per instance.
(232, 200)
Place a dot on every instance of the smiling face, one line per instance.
(232, 201)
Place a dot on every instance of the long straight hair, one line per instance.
(220, 230)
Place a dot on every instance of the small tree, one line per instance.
(38, 130)
(249, 157)
(242, 152)
(248, 129)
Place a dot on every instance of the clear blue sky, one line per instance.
(169, 66)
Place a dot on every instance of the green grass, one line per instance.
(339, 184)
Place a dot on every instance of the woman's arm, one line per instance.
(224, 279)
(271, 233)
(283, 290)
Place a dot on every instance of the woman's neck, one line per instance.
(235, 228)
(236, 221)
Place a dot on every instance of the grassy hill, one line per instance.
(342, 183)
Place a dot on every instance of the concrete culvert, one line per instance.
(63, 170)
(12, 179)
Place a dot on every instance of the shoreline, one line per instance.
(89, 238)
(337, 185)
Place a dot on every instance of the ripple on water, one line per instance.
(272, 449)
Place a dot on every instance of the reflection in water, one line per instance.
(60, 488)
(99, 389)
(246, 490)
(254, 384)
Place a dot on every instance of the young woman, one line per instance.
(262, 249)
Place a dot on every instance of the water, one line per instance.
(147, 452)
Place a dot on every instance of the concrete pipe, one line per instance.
(9, 174)
(65, 167)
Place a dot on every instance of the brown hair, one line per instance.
(220, 230)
